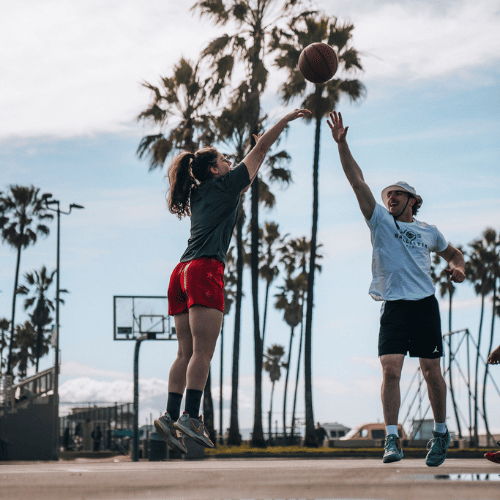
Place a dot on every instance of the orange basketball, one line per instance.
(318, 62)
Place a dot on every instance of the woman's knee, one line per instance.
(184, 355)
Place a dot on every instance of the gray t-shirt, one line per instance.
(401, 261)
(214, 208)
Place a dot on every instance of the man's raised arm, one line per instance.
(351, 168)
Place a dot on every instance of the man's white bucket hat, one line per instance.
(401, 186)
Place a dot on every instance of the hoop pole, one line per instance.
(135, 441)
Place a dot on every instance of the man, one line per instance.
(320, 434)
(410, 321)
(494, 359)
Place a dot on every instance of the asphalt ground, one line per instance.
(238, 479)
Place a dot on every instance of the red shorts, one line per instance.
(199, 281)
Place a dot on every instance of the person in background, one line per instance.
(320, 434)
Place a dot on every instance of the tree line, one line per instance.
(202, 103)
(23, 218)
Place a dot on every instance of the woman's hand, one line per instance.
(297, 113)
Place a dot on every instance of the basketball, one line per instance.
(318, 62)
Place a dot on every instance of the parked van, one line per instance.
(370, 431)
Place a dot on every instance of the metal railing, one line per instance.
(28, 389)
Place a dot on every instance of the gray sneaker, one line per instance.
(437, 447)
(165, 426)
(195, 429)
(393, 451)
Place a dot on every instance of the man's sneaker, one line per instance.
(393, 451)
(165, 427)
(493, 457)
(437, 447)
(194, 428)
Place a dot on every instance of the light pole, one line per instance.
(56, 362)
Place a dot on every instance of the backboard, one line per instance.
(135, 315)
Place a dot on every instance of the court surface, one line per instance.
(241, 479)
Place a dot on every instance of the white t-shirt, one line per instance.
(401, 261)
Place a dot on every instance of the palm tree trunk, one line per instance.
(299, 360)
(450, 367)
(264, 321)
(13, 321)
(39, 338)
(476, 407)
(258, 431)
(234, 436)
(1, 351)
(286, 384)
(486, 368)
(270, 416)
(221, 379)
(208, 409)
(310, 436)
(254, 101)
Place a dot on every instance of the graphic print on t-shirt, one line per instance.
(410, 238)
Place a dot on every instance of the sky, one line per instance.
(70, 89)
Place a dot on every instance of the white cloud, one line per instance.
(76, 369)
(459, 304)
(372, 361)
(76, 67)
(410, 41)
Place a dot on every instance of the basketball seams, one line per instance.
(328, 62)
(311, 67)
(318, 62)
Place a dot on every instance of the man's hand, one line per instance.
(337, 127)
(456, 274)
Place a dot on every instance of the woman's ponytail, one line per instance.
(181, 182)
(185, 173)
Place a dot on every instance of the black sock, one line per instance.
(174, 405)
(193, 400)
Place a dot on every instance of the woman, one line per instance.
(205, 188)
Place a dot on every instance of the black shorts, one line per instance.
(411, 326)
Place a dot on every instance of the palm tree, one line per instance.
(254, 20)
(288, 300)
(492, 240)
(4, 327)
(269, 269)
(446, 287)
(232, 129)
(22, 216)
(295, 256)
(38, 285)
(178, 103)
(273, 365)
(320, 99)
(478, 271)
(230, 281)
(24, 350)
